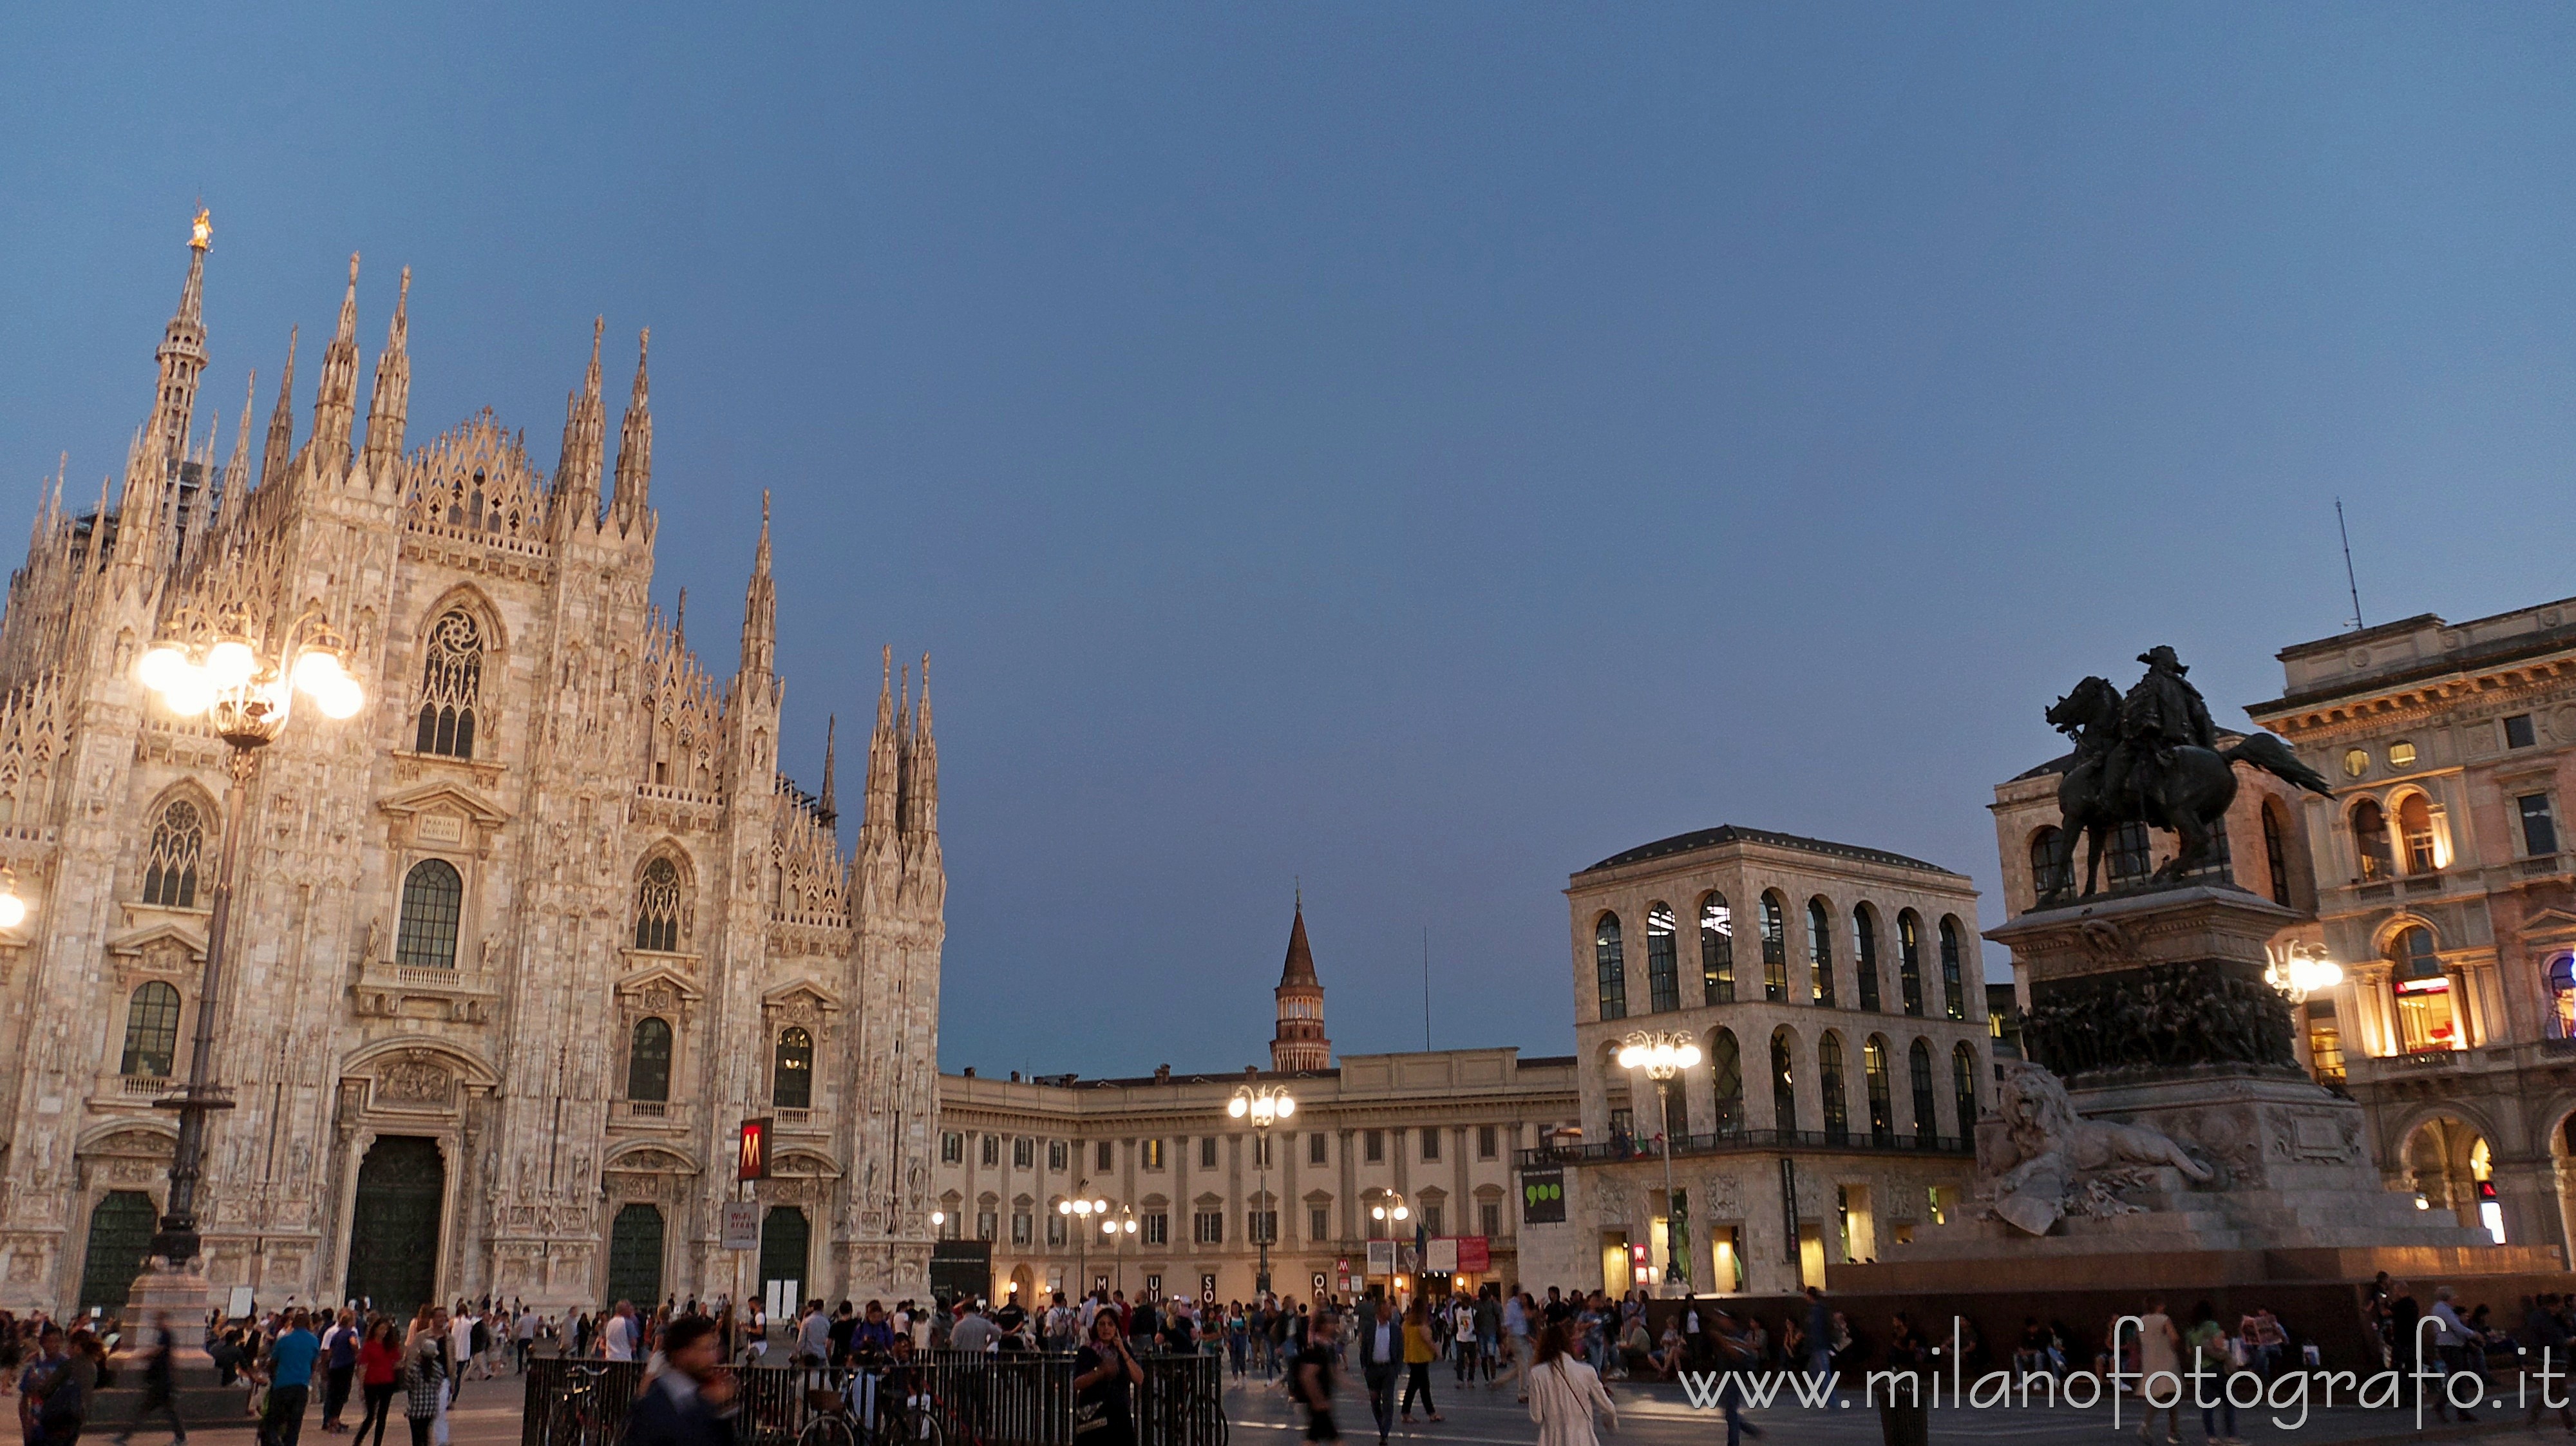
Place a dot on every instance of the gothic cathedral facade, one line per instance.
(513, 952)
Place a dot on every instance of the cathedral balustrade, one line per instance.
(672, 793)
(142, 1086)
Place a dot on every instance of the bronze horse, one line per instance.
(2187, 791)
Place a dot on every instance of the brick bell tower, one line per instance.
(1300, 1043)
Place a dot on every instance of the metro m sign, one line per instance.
(751, 1159)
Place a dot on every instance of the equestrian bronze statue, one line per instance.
(2151, 757)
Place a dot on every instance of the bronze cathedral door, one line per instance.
(393, 1229)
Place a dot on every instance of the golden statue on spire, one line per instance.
(202, 230)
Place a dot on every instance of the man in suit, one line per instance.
(691, 1403)
(1381, 1357)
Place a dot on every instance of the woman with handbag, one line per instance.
(1564, 1393)
(1104, 1377)
(424, 1375)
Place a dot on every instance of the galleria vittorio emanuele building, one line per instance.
(515, 949)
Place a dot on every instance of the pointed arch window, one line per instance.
(1610, 967)
(1882, 1107)
(1775, 949)
(1829, 1079)
(1954, 986)
(433, 903)
(178, 848)
(451, 686)
(151, 1031)
(1726, 1072)
(657, 908)
(1918, 1066)
(791, 1084)
(1716, 951)
(1663, 966)
(648, 1061)
(1909, 961)
(1865, 956)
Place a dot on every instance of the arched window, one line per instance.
(1716, 951)
(1726, 1073)
(791, 1086)
(1954, 989)
(657, 907)
(1918, 1065)
(2370, 841)
(1775, 949)
(1829, 1079)
(1663, 967)
(151, 1031)
(1963, 1084)
(1784, 1097)
(2415, 827)
(1882, 1106)
(648, 1061)
(1610, 967)
(1909, 961)
(451, 686)
(2427, 1020)
(1865, 956)
(170, 870)
(2561, 977)
(2132, 855)
(2276, 853)
(1820, 950)
(2049, 875)
(433, 901)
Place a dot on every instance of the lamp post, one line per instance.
(1264, 1105)
(1391, 1211)
(1119, 1232)
(243, 678)
(1081, 1212)
(1664, 1056)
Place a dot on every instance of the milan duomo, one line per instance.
(515, 950)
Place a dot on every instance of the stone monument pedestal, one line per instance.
(183, 1293)
(2153, 1008)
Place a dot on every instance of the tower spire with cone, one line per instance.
(1299, 1043)
(389, 405)
(760, 606)
(183, 349)
(831, 740)
(576, 495)
(335, 398)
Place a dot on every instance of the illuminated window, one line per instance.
(2426, 1020)
(791, 1084)
(1954, 997)
(1882, 1107)
(2325, 1042)
(1610, 967)
(2356, 762)
(2415, 829)
(2401, 755)
(1149, 1155)
(1909, 961)
(1663, 966)
(2561, 977)
(1775, 949)
(1963, 1084)
(1716, 951)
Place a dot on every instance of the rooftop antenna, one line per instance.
(2349, 584)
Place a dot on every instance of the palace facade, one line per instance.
(1434, 1132)
(514, 950)
(1845, 1054)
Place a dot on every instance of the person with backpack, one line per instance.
(288, 1366)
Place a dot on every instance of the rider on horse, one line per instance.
(2162, 713)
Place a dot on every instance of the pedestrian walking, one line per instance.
(159, 1388)
(1381, 1351)
(340, 1368)
(1310, 1382)
(691, 1402)
(2159, 1358)
(424, 1376)
(379, 1369)
(1565, 1394)
(288, 1365)
(1418, 1355)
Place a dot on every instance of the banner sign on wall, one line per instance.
(1543, 1196)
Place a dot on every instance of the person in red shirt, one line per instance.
(379, 1360)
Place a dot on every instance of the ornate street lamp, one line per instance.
(1081, 1211)
(1263, 1105)
(243, 679)
(1663, 1057)
(1119, 1231)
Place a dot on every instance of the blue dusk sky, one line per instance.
(1417, 449)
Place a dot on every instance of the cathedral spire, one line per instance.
(389, 404)
(281, 421)
(576, 494)
(760, 606)
(335, 398)
(183, 349)
(831, 737)
(921, 768)
(883, 763)
(635, 448)
(237, 473)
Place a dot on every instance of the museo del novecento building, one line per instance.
(513, 950)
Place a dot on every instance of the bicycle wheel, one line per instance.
(827, 1430)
